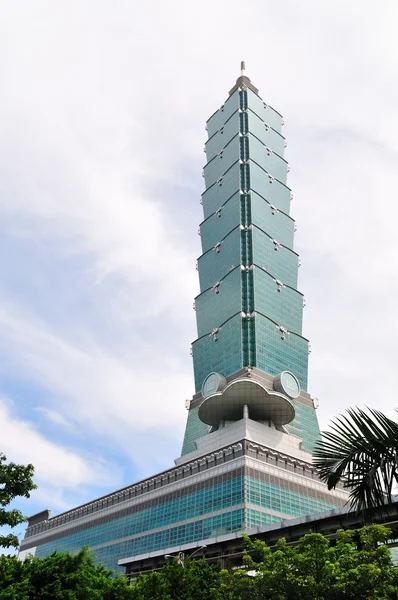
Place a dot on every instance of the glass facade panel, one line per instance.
(218, 194)
(268, 136)
(223, 355)
(263, 110)
(216, 305)
(227, 522)
(267, 158)
(222, 115)
(194, 430)
(284, 305)
(281, 263)
(305, 426)
(216, 263)
(220, 223)
(222, 136)
(275, 192)
(255, 518)
(222, 162)
(274, 354)
(110, 553)
(283, 500)
(274, 222)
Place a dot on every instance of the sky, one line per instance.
(103, 106)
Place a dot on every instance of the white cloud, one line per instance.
(64, 468)
(54, 417)
(123, 398)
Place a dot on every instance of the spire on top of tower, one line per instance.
(243, 80)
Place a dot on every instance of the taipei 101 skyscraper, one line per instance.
(246, 463)
(249, 310)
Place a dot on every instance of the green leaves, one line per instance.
(15, 481)
(360, 451)
(357, 566)
(197, 580)
(60, 576)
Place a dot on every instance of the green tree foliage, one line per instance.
(357, 567)
(196, 580)
(15, 481)
(60, 576)
(360, 451)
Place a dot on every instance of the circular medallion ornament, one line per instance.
(287, 384)
(212, 384)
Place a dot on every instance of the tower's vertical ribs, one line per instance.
(246, 258)
(246, 240)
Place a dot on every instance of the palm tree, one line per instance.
(361, 452)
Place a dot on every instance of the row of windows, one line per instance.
(257, 492)
(282, 499)
(216, 497)
(255, 518)
(174, 536)
(261, 493)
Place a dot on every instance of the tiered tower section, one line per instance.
(249, 310)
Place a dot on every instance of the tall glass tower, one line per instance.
(246, 461)
(249, 310)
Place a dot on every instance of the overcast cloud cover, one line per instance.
(103, 106)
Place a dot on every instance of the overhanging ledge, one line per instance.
(263, 404)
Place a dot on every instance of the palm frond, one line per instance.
(360, 451)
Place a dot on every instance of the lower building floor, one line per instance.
(230, 491)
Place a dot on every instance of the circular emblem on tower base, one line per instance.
(213, 383)
(288, 384)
